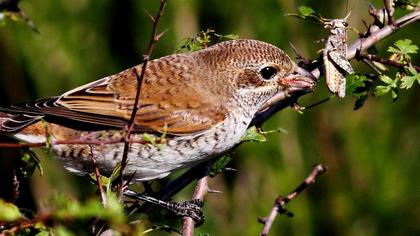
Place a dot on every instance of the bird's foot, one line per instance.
(191, 208)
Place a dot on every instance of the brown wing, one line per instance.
(171, 99)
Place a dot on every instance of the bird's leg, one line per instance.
(191, 208)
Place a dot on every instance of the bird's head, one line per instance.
(257, 71)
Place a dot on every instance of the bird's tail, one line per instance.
(10, 123)
(3, 118)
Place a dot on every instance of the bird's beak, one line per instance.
(299, 80)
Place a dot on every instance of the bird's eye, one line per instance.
(268, 72)
(345, 24)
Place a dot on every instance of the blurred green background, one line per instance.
(373, 154)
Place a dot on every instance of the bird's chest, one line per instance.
(212, 142)
(150, 161)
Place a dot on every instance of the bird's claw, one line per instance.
(191, 208)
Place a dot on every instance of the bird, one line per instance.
(201, 103)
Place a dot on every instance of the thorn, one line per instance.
(157, 37)
(321, 168)
(298, 108)
(230, 169)
(298, 54)
(371, 65)
(284, 211)
(146, 57)
(130, 178)
(209, 190)
(152, 18)
(262, 220)
(319, 41)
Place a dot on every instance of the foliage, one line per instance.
(219, 165)
(9, 9)
(254, 135)
(204, 39)
(65, 209)
(9, 212)
(402, 50)
(404, 78)
(408, 81)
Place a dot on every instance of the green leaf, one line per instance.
(391, 86)
(149, 138)
(9, 212)
(380, 66)
(354, 82)
(204, 39)
(164, 228)
(115, 173)
(386, 79)
(403, 48)
(407, 4)
(306, 11)
(360, 100)
(67, 208)
(62, 231)
(253, 135)
(158, 142)
(114, 210)
(43, 233)
(104, 180)
(219, 164)
(408, 81)
(382, 90)
(231, 36)
(28, 163)
(394, 93)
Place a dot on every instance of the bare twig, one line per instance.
(319, 102)
(146, 57)
(98, 178)
(389, 11)
(280, 202)
(372, 57)
(362, 44)
(200, 192)
(16, 185)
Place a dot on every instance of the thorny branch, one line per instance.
(146, 57)
(359, 45)
(372, 57)
(363, 44)
(389, 11)
(280, 201)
